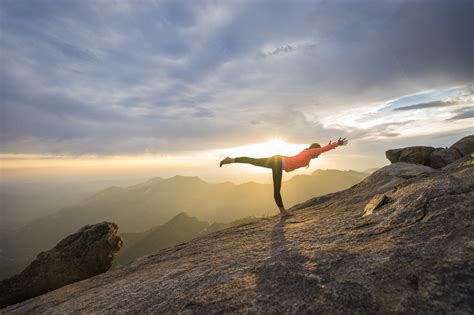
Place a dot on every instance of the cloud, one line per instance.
(451, 97)
(72, 51)
(377, 131)
(203, 113)
(427, 105)
(278, 51)
(463, 113)
(121, 77)
(285, 49)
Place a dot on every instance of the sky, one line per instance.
(158, 88)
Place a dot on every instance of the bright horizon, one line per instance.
(42, 165)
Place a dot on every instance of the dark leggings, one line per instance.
(274, 163)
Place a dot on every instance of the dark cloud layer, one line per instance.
(463, 113)
(427, 105)
(124, 77)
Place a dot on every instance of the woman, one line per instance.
(278, 163)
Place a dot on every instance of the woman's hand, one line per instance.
(341, 141)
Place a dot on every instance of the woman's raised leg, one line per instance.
(263, 162)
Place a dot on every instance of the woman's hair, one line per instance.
(314, 145)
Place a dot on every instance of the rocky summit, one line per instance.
(430, 156)
(400, 241)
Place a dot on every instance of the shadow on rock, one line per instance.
(284, 278)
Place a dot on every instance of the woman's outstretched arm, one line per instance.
(329, 146)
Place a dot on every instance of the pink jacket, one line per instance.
(290, 163)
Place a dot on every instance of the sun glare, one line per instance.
(266, 149)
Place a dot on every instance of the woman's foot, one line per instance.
(285, 214)
(227, 160)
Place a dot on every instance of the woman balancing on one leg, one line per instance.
(278, 163)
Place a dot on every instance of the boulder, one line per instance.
(86, 253)
(465, 146)
(442, 157)
(393, 155)
(415, 155)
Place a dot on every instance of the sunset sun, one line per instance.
(267, 148)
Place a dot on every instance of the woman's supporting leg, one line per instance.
(277, 174)
(263, 162)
